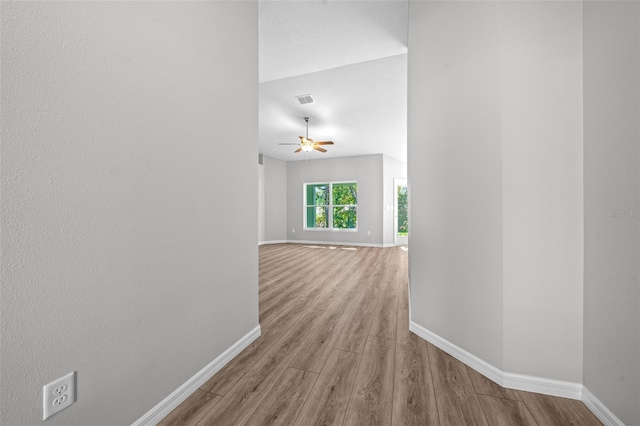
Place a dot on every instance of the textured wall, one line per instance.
(495, 168)
(262, 222)
(275, 186)
(541, 98)
(611, 203)
(127, 254)
(454, 163)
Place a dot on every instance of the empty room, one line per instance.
(320, 212)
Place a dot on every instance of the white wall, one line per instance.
(454, 158)
(495, 168)
(127, 255)
(275, 188)
(262, 220)
(541, 97)
(611, 203)
(366, 170)
(391, 168)
(283, 196)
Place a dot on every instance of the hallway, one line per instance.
(336, 349)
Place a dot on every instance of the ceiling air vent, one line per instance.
(304, 99)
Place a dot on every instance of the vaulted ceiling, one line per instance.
(351, 56)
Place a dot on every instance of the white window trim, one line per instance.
(329, 227)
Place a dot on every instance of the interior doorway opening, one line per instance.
(401, 212)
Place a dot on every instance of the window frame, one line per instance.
(329, 206)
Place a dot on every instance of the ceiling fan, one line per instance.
(306, 144)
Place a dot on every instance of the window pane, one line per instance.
(317, 217)
(318, 194)
(345, 193)
(345, 217)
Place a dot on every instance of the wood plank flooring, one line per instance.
(336, 350)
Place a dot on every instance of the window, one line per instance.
(317, 205)
(332, 205)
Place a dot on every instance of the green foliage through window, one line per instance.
(331, 205)
(403, 215)
(345, 217)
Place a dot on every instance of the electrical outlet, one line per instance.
(293, 230)
(58, 395)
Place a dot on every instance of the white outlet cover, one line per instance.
(58, 395)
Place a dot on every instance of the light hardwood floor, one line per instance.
(336, 350)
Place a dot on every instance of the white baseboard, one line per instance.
(535, 384)
(335, 243)
(261, 243)
(458, 353)
(160, 411)
(330, 243)
(599, 409)
(519, 381)
(507, 380)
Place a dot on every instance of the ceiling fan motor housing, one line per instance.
(307, 144)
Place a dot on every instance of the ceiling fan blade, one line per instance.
(324, 143)
(289, 144)
(297, 150)
(317, 148)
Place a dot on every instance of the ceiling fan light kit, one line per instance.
(307, 144)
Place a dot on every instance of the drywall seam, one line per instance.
(160, 411)
(507, 380)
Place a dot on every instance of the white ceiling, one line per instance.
(351, 57)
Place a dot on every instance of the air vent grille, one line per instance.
(305, 99)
